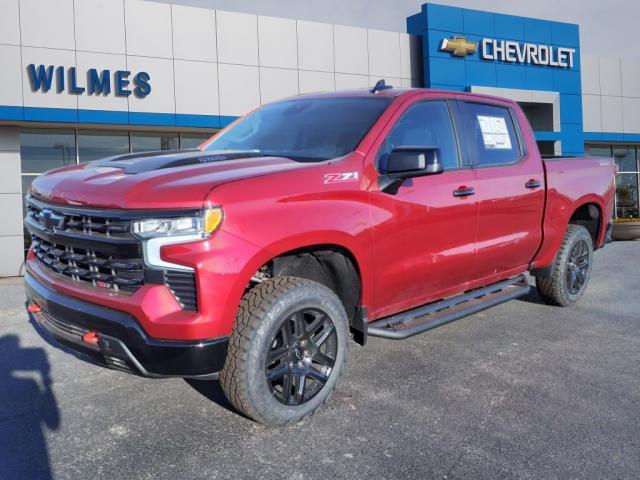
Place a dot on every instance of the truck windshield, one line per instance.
(308, 130)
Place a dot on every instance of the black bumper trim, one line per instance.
(122, 342)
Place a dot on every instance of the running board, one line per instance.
(432, 315)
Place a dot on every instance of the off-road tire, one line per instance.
(554, 290)
(261, 314)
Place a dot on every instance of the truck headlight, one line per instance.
(201, 226)
(158, 232)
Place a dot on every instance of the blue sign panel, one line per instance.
(465, 48)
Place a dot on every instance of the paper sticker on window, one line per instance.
(494, 132)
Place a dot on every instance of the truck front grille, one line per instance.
(97, 247)
(90, 265)
(87, 245)
(78, 222)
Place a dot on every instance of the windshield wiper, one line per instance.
(221, 155)
(294, 156)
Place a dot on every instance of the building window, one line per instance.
(627, 180)
(597, 150)
(547, 147)
(625, 158)
(43, 149)
(540, 115)
(149, 141)
(192, 140)
(627, 195)
(93, 145)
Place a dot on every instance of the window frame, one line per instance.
(522, 146)
(447, 102)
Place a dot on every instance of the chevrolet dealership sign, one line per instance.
(511, 51)
(536, 54)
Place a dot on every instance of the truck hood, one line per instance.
(176, 179)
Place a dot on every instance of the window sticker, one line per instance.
(494, 132)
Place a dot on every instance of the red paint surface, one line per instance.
(411, 248)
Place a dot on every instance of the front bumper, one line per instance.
(122, 344)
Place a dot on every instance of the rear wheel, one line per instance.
(287, 350)
(571, 270)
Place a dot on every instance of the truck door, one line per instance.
(424, 235)
(509, 188)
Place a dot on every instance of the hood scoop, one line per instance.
(151, 161)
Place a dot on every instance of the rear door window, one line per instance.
(489, 133)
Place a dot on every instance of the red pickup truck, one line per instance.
(311, 220)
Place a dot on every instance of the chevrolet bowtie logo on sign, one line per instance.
(459, 46)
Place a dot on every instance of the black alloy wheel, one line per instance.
(302, 356)
(287, 350)
(567, 278)
(578, 267)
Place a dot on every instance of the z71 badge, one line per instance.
(340, 177)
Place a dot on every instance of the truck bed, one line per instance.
(578, 177)
(572, 181)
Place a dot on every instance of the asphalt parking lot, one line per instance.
(519, 391)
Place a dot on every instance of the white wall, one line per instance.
(11, 240)
(201, 61)
(610, 94)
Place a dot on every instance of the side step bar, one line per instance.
(432, 315)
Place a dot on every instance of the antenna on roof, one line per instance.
(380, 86)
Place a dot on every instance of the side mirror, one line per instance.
(407, 162)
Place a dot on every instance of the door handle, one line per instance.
(464, 192)
(533, 183)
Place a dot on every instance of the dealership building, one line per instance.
(85, 79)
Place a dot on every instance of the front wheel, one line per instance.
(287, 350)
(571, 270)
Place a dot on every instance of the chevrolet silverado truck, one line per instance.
(311, 221)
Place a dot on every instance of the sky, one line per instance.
(607, 27)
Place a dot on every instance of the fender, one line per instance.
(225, 264)
(559, 211)
(361, 256)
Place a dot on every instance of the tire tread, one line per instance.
(252, 309)
(551, 289)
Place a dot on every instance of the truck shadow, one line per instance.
(211, 390)
(532, 297)
(28, 408)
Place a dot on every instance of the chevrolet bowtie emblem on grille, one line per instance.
(459, 46)
(50, 219)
